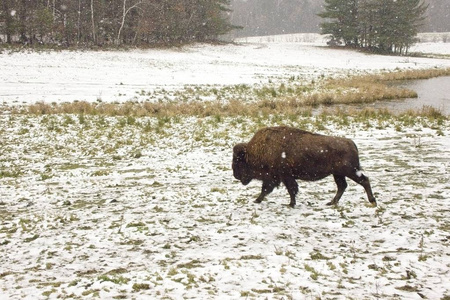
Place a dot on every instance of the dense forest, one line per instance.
(101, 22)
(154, 22)
(268, 17)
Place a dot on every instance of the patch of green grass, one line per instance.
(251, 257)
(133, 242)
(262, 291)
(104, 172)
(140, 286)
(94, 293)
(136, 224)
(14, 172)
(190, 265)
(172, 272)
(316, 255)
(314, 274)
(114, 279)
(48, 293)
(27, 224)
(408, 288)
(247, 294)
(218, 190)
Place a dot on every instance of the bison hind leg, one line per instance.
(364, 181)
(342, 185)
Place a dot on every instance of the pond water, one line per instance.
(433, 92)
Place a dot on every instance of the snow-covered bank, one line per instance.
(133, 75)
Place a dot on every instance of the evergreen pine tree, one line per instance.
(387, 26)
(409, 17)
(343, 20)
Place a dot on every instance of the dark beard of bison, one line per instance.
(246, 180)
(240, 165)
(239, 173)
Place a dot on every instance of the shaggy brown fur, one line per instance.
(283, 154)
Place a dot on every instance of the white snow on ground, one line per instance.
(94, 207)
(439, 48)
(147, 208)
(121, 76)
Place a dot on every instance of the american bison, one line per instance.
(283, 154)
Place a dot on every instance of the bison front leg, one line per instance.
(267, 188)
(342, 185)
(292, 188)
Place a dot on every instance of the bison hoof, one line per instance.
(332, 203)
(292, 205)
(257, 201)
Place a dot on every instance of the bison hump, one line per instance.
(271, 146)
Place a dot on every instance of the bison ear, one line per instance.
(240, 151)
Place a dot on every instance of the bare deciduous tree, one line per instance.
(125, 12)
(113, 21)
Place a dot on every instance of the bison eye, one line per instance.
(237, 159)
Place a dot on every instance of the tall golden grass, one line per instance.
(413, 74)
(169, 109)
(367, 88)
(291, 101)
(234, 108)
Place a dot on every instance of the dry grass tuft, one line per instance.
(426, 111)
(414, 74)
(169, 109)
(373, 87)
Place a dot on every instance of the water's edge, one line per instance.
(434, 92)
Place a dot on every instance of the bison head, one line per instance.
(241, 169)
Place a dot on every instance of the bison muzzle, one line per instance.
(283, 154)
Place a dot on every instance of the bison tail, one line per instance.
(359, 172)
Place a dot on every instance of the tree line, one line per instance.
(103, 22)
(270, 17)
(387, 26)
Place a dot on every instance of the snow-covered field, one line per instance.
(147, 208)
(135, 75)
(95, 207)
